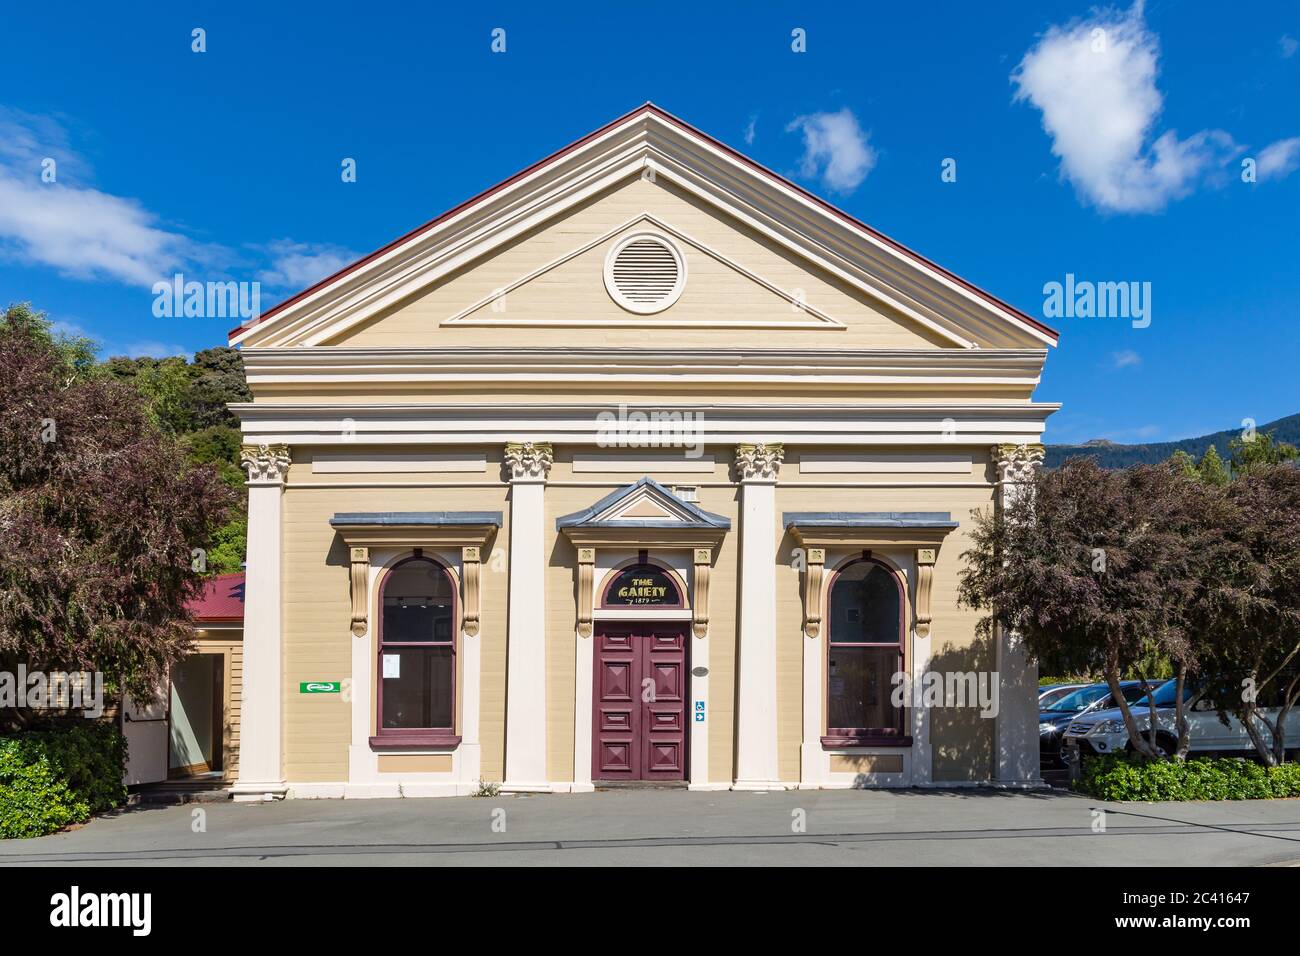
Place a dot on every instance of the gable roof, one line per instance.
(651, 133)
(620, 509)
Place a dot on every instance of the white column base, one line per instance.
(249, 792)
(758, 785)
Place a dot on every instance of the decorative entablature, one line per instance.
(641, 516)
(920, 531)
(471, 531)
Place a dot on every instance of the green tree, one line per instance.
(1259, 450)
(1097, 570)
(1184, 463)
(100, 510)
(1212, 469)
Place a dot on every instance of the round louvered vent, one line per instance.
(645, 273)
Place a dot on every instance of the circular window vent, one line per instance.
(645, 273)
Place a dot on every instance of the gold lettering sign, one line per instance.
(643, 585)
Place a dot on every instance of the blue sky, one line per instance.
(1118, 163)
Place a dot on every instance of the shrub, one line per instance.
(1133, 777)
(57, 776)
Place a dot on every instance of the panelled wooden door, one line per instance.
(639, 722)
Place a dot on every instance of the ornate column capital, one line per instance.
(1017, 463)
(759, 462)
(265, 464)
(529, 461)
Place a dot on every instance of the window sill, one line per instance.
(415, 739)
(865, 740)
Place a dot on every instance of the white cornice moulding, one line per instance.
(645, 141)
(955, 426)
(828, 367)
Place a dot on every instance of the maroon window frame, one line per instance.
(416, 736)
(839, 634)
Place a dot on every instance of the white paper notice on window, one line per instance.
(392, 665)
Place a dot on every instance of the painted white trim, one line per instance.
(645, 308)
(645, 141)
(608, 562)
(639, 463)
(643, 614)
(364, 775)
(882, 463)
(526, 642)
(823, 321)
(261, 766)
(757, 766)
(371, 462)
(943, 426)
(814, 759)
(335, 365)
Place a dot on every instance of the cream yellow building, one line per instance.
(644, 465)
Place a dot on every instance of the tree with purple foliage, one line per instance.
(1099, 571)
(100, 515)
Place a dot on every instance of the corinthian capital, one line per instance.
(265, 463)
(529, 460)
(1017, 463)
(759, 462)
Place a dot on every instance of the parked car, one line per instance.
(1103, 731)
(1048, 694)
(1084, 699)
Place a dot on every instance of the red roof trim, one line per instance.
(663, 114)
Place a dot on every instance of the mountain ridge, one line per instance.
(1112, 455)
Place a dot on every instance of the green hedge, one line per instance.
(1133, 777)
(57, 776)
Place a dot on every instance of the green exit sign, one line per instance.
(320, 687)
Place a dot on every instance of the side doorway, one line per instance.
(195, 719)
(639, 722)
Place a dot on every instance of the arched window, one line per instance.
(864, 652)
(417, 649)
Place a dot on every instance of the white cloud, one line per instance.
(1278, 160)
(836, 148)
(81, 231)
(1126, 358)
(1289, 45)
(1094, 81)
(297, 265)
(87, 233)
(751, 129)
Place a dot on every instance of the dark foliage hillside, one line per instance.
(1110, 455)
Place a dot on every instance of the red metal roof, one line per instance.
(663, 114)
(222, 599)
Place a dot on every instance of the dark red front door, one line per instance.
(639, 723)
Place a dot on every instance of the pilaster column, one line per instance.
(757, 467)
(1017, 720)
(261, 771)
(527, 465)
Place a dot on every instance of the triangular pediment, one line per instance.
(645, 503)
(454, 270)
(713, 274)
